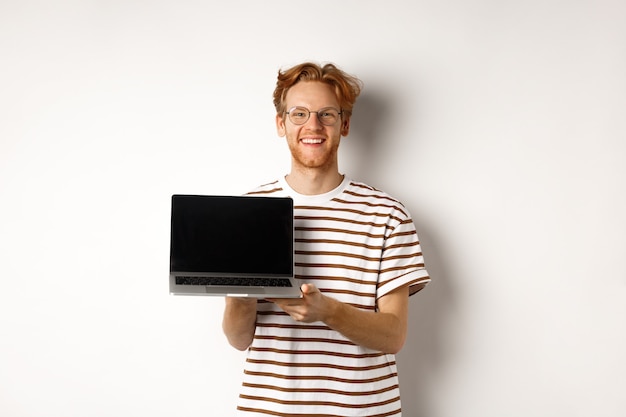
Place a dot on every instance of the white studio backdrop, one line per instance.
(499, 124)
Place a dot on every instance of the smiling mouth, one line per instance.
(312, 141)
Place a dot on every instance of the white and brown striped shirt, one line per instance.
(355, 244)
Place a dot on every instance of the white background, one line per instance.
(500, 124)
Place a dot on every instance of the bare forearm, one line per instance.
(239, 321)
(384, 332)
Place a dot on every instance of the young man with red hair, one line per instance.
(330, 352)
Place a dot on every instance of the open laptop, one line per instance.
(239, 246)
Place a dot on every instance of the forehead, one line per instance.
(311, 94)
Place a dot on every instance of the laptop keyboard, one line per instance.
(234, 281)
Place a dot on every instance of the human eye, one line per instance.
(299, 115)
(328, 115)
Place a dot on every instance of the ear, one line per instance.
(345, 126)
(280, 125)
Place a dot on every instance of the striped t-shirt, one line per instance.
(355, 244)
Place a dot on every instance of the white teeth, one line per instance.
(311, 141)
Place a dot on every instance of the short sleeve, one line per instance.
(402, 261)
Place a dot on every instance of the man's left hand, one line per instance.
(312, 306)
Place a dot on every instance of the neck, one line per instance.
(313, 182)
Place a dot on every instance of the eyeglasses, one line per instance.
(327, 116)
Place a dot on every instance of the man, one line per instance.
(330, 352)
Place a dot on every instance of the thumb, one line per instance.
(308, 288)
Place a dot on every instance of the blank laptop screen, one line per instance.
(232, 235)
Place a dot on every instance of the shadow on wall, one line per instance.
(368, 125)
(369, 152)
(424, 355)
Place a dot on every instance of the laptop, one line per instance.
(239, 246)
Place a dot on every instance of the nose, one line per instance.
(314, 120)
